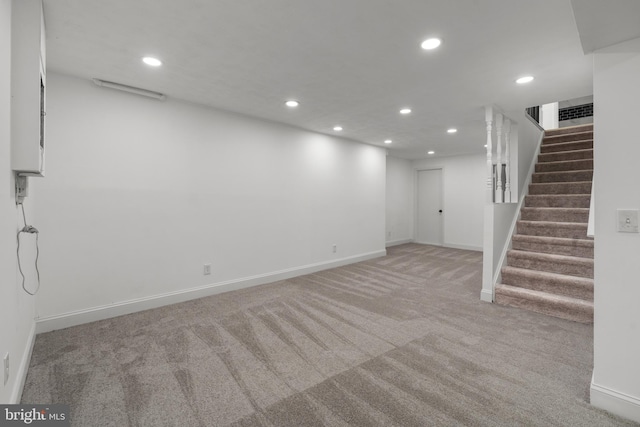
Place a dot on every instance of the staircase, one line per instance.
(550, 266)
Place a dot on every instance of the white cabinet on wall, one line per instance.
(28, 83)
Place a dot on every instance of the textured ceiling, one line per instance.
(349, 62)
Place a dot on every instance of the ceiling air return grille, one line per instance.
(131, 89)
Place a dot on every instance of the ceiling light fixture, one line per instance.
(150, 60)
(131, 89)
(388, 141)
(452, 130)
(431, 152)
(431, 43)
(292, 103)
(525, 79)
(405, 111)
(337, 128)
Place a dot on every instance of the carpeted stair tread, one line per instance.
(558, 200)
(565, 155)
(563, 176)
(555, 214)
(569, 230)
(561, 284)
(569, 129)
(543, 302)
(579, 187)
(549, 268)
(553, 245)
(561, 264)
(565, 165)
(567, 146)
(567, 137)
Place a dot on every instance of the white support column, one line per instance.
(499, 179)
(507, 155)
(488, 114)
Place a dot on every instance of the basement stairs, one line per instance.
(550, 265)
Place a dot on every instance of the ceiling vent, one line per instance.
(131, 89)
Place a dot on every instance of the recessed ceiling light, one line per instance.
(405, 111)
(431, 152)
(150, 60)
(292, 103)
(452, 130)
(525, 79)
(431, 43)
(485, 145)
(337, 128)
(388, 141)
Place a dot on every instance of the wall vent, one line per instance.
(131, 89)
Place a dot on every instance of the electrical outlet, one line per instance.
(207, 269)
(389, 234)
(335, 248)
(6, 368)
(22, 188)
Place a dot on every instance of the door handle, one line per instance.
(440, 211)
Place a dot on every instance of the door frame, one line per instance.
(416, 204)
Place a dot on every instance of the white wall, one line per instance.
(139, 194)
(616, 377)
(400, 199)
(463, 181)
(17, 309)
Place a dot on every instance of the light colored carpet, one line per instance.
(397, 341)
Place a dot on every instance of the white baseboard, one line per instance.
(21, 374)
(615, 402)
(486, 295)
(66, 320)
(452, 246)
(465, 247)
(398, 242)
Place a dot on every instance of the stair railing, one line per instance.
(500, 219)
(498, 172)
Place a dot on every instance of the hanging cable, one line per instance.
(30, 230)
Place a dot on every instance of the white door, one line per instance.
(430, 207)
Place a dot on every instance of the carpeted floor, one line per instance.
(401, 340)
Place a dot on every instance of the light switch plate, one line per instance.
(628, 221)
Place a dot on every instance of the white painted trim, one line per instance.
(536, 124)
(452, 246)
(615, 402)
(66, 320)
(465, 247)
(398, 242)
(488, 287)
(21, 374)
(591, 224)
(497, 275)
(486, 295)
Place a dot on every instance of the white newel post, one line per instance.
(499, 195)
(488, 114)
(507, 155)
